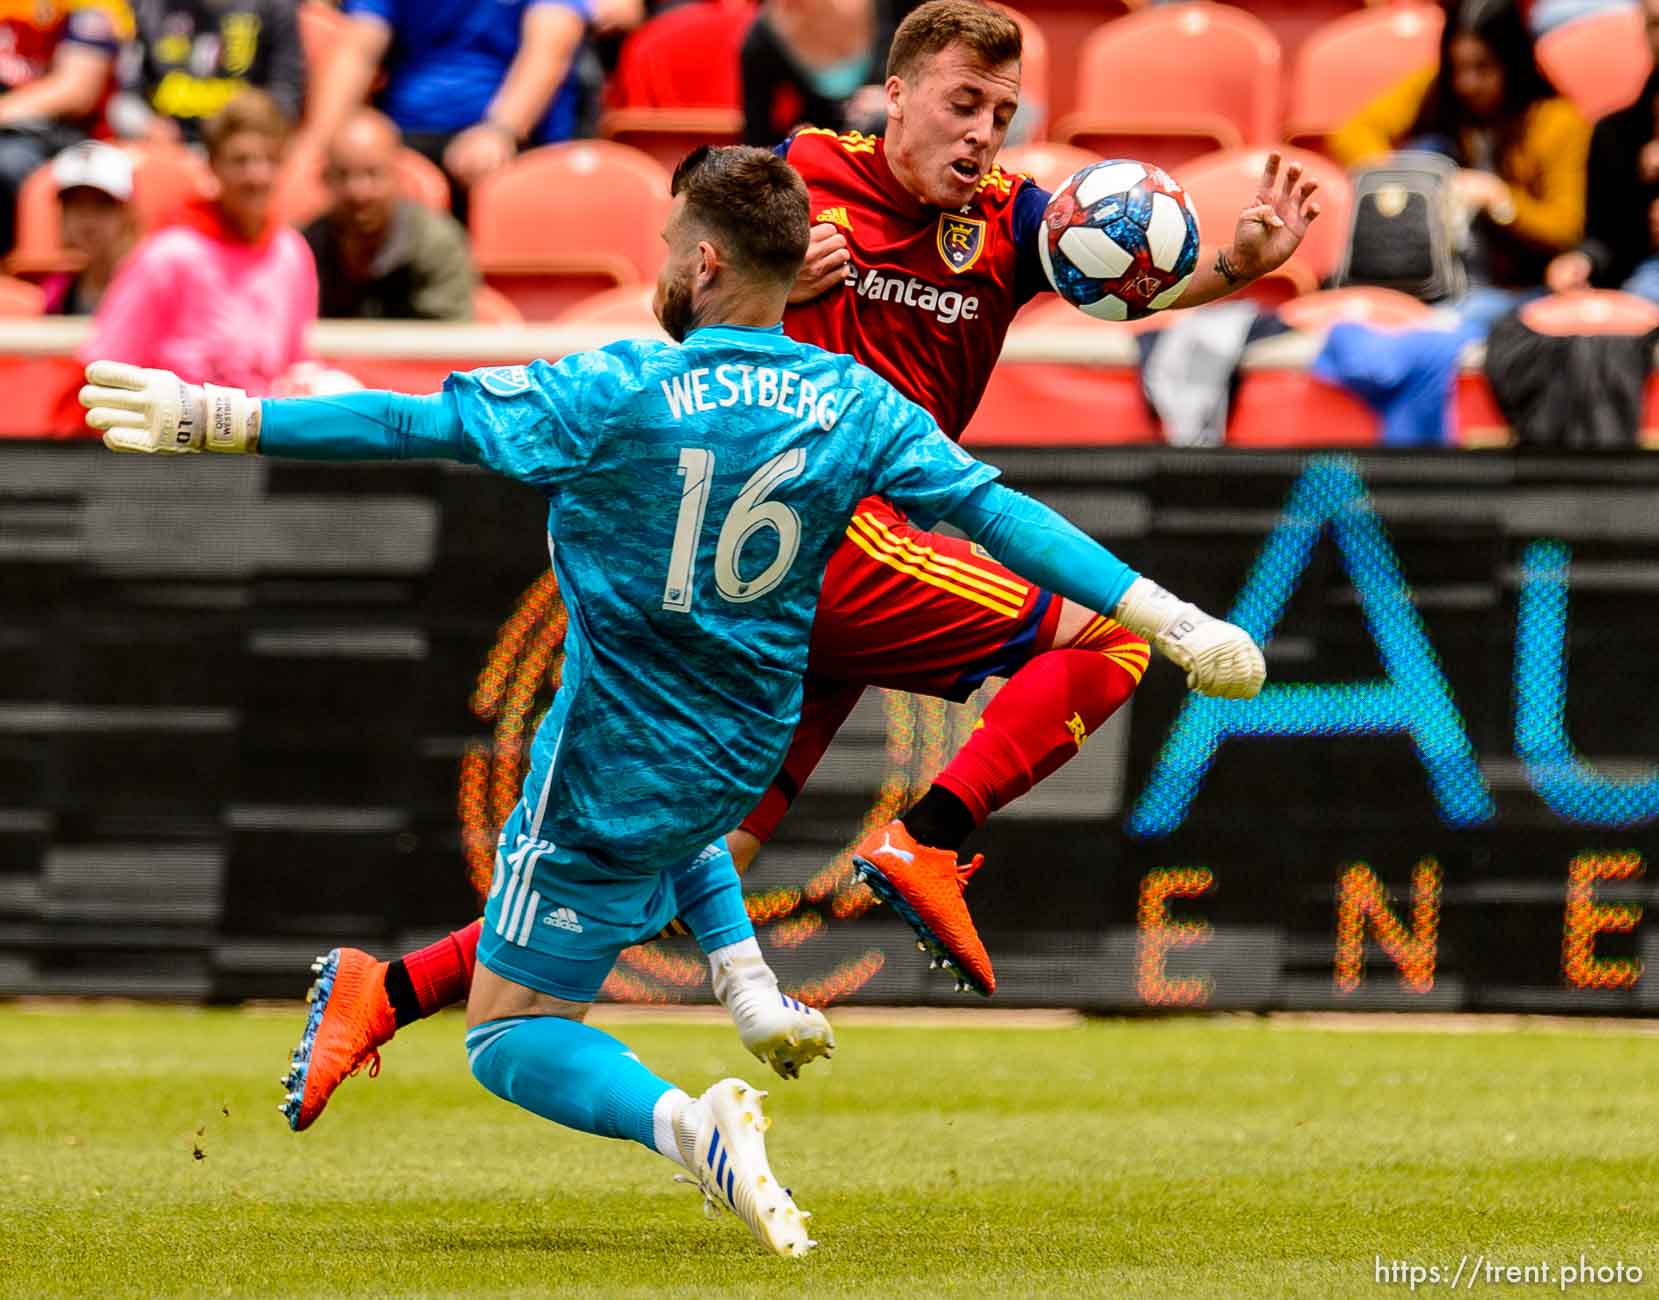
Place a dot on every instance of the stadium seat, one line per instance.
(1223, 184)
(1348, 62)
(163, 178)
(1168, 83)
(1315, 313)
(1591, 311)
(302, 195)
(1050, 165)
(1036, 90)
(566, 220)
(625, 309)
(20, 298)
(1065, 25)
(676, 84)
(1600, 61)
(492, 307)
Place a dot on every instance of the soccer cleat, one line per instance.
(348, 1021)
(780, 1030)
(721, 1137)
(925, 886)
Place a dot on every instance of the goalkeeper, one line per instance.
(695, 493)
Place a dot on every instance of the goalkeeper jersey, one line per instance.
(695, 493)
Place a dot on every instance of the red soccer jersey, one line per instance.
(929, 294)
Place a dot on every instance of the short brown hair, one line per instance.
(249, 110)
(752, 201)
(990, 34)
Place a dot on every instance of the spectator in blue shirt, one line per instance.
(468, 83)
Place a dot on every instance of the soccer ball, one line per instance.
(1119, 240)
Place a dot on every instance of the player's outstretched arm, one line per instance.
(156, 412)
(1268, 232)
(1043, 547)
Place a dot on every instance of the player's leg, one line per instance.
(527, 1043)
(776, 1028)
(358, 1002)
(936, 615)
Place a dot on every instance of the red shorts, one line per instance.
(911, 611)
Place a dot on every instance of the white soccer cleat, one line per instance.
(780, 1030)
(722, 1141)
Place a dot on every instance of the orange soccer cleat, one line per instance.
(349, 1020)
(925, 887)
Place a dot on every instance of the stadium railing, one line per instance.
(1059, 384)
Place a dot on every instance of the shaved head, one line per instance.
(362, 174)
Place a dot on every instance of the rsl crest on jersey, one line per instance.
(960, 240)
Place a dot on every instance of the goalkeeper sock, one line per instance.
(710, 899)
(1036, 723)
(424, 982)
(572, 1074)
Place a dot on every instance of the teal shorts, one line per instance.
(557, 920)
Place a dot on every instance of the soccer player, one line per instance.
(695, 493)
(922, 252)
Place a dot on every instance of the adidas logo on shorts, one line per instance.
(564, 918)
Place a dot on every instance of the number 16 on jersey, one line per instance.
(750, 513)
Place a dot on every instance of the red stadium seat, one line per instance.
(1048, 164)
(492, 307)
(1600, 61)
(1036, 89)
(1315, 313)
(677, 83)
(564, 221)
(1348, 62)
(1221, 185)
(625, 311)
(302, 195)
(1168, 83)
(162, 180)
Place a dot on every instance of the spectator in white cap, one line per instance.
(95, 189)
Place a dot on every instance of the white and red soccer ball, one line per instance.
(1119, 240)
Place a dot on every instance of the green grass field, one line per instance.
(1223, 1157)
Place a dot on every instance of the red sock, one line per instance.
(1037, 721)
(441, 973)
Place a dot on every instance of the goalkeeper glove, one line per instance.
(1218, 658)
(155, 411)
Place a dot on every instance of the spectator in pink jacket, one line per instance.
(227, 292)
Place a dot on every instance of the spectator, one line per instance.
(192, 56)
(378, 254)
(469, 84)
(57, 58)
(1521, 148)
(817, 62)
(1621, 229)
(226, 294)
(95, 192)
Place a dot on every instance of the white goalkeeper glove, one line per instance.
(155, 411)
(1218, 658)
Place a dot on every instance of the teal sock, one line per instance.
(709, 898)
(567, 1072)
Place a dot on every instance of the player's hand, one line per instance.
(1218, 658)
(1272, 227)
(825, 267)
(156, 412)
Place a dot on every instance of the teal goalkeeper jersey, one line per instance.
(695, 493)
